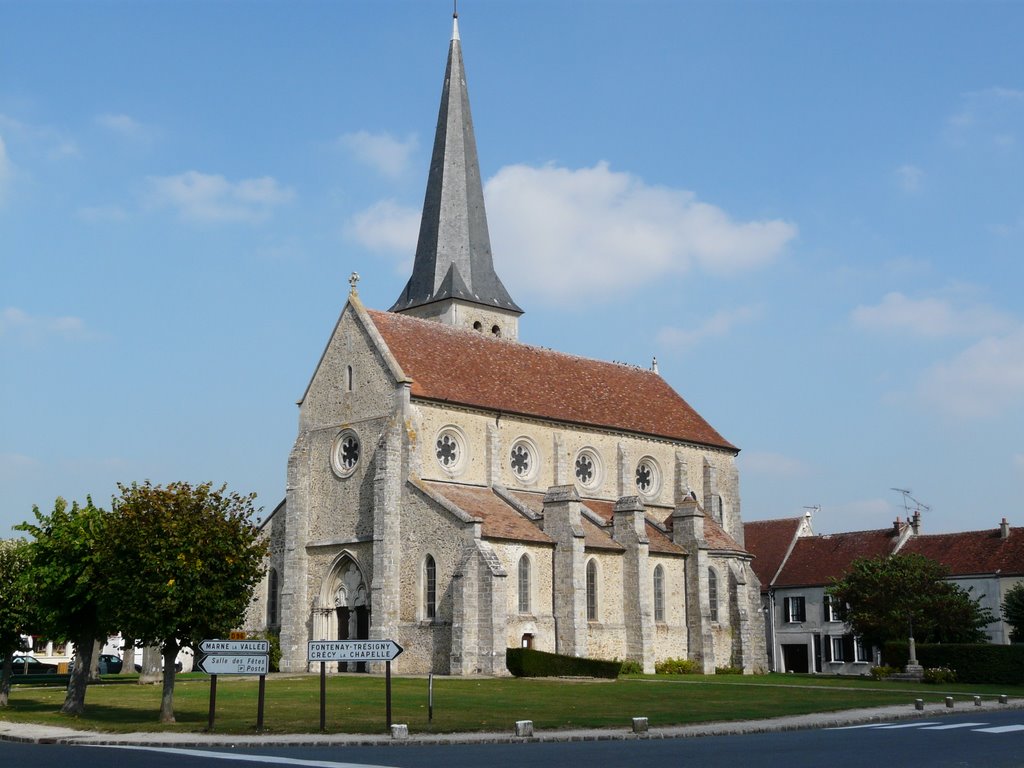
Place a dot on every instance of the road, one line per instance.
(993, 740)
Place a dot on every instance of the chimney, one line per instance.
(897, 524)
(915, 523)
(1004, 529)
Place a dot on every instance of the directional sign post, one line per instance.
(235, 657)
(352, 650)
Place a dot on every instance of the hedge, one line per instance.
(526, 662)
(972, 662)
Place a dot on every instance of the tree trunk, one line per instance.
(127, 655)
(167, 698)
(5, 680)
(74, 701)
(94, 668)
(152, 671)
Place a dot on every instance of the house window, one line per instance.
(659, 594)
(429, 587)
(794, 609)
(591, 591)
(713, 593)
(831, 612)
(837, 648)
(524, 584)
(860, 653)
(272, 598)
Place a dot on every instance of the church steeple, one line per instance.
(453, 278)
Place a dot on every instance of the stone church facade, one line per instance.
(460, 492)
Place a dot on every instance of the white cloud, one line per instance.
(593, 230)
(984, 380)
(909, 178)
(381, 151)
(19, 325)
(989, 117)
(101, 213)
(719, 324)
(928, 317)
(210, 197)
(123, 125)
(387, 226)
(769, 463)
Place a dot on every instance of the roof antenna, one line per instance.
(907, 498)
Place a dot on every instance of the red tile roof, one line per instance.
(769, 541)
(500, 521)
(659, 541)
(453, 365)
(973, 552)
(816, 560)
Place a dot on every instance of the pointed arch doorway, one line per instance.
(348, 599)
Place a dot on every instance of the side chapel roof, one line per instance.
(463, 367)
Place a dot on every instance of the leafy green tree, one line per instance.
(14, 607)
(68, 578)
(184, 562)
(885, 598)
(1013, 611)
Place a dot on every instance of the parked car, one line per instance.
(23, 664)
(109, 664)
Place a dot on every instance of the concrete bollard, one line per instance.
(949, 702)
(399, 731)
(1003, 699)
(639, 725)
(524, 727)
(919, 705)
(977, 701)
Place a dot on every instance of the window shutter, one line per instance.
(826, 647)
(786, 609)
(848, 653)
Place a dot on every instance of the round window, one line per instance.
(523, 460)
(648, 477)
(345, 453)
(588, 468)
(449, 449)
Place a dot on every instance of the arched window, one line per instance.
(713, 593)
(524, 584)
(273, 603)
(429, 587)
(348, 377)
(591, 591)
(659, 594)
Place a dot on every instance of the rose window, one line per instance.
(586, 469)
(349, 454)
(520, 460)
(447, 451)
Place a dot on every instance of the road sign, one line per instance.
(353, 650)
(224, 664)
(237, 647)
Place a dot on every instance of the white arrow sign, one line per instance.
(353, 650)
(235, 646)
(235, 665)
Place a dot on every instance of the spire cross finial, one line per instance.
(455, 12)
(353, 280)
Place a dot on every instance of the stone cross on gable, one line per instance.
(353, 280)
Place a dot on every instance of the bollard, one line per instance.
(639, 725)
(919, 705)
(949, 702)
(977, 701)
(1003, 699)
(399, 731)
(524, 727)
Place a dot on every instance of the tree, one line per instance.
(1013, 611)
(14, 607)
(68, 578)
(887, 598)
(185, 560)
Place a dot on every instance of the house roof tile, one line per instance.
(769, 541)
(816, 560)
(973, 552)
(464, 367)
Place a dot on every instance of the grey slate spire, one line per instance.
(453, 256)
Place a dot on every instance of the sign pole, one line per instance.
(387, 667)
(259, 705)
(430, 697)
(213, 701)
(323, 696)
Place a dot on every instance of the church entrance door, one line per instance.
(347, 594)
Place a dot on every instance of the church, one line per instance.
(460, 492)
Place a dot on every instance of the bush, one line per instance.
(972, 662)
(939, 676)
(526, 662)
(728, 670)
(631, 667)
(678, 667)
(880, 673)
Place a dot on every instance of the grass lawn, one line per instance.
(356, 703)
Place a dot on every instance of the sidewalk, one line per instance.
(45, 734)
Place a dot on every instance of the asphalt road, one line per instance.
(991, 739)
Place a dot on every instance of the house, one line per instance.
(460, 492)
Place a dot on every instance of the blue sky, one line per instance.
(812, 213)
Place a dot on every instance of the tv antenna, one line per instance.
(910, 504)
